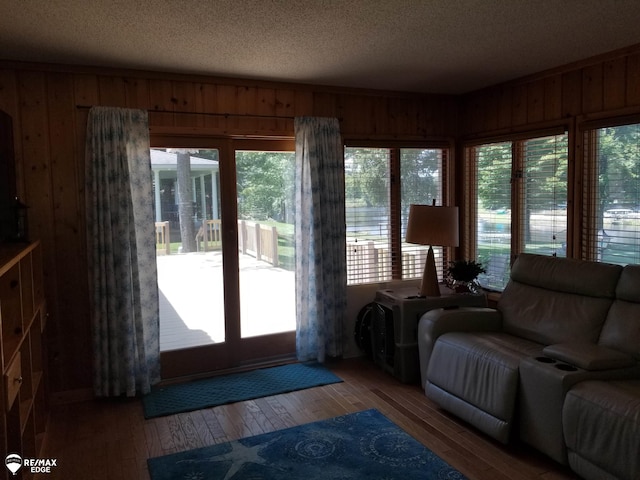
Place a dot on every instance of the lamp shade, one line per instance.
(432, 225)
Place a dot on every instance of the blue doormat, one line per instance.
(363, 445)
(237, 387)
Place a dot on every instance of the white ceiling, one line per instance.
(438, 46)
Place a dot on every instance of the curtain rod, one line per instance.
(210, 114)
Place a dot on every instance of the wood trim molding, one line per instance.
(216, 133)
(625, 116)
(519, 133)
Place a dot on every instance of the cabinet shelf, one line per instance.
(10, 347)
(22, 318)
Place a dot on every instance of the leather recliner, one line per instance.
(559, 322)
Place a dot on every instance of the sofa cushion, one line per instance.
(589, 356)
(557, 300)
(628, 287)
(579, 277)
(601, 423)
(621, 329)
(481, 368)
(549, 317)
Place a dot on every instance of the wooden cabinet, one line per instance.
(23, 320)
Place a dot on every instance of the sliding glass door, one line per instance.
(224, 238)
(264, 181)
(189, 247)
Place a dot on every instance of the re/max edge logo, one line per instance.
(15, 462)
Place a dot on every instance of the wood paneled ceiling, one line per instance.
(437, 46)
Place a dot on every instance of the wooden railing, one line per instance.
(367, 261)
(163, 238)
(254, 239)
(413, 262)
(370, 262)
(210, 234)
(259, 241)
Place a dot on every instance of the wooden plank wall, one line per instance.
(49, 133)
(608, 85)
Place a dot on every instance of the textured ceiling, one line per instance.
(438, 46)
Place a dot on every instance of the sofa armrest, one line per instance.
(443, 320)
(588, 356)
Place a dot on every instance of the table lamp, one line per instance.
(431, 225)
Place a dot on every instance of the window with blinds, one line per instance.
(611, 213)
(516, 198)
(368, 214)
(542, 190)
(421, 172)
(377, 210)
(492, 211)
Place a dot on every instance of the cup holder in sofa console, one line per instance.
(565, 367)
(545, 360)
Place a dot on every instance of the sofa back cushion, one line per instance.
(557, 300)
(621, 329)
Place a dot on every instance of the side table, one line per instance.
(394, 326)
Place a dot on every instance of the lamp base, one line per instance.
(429, 286)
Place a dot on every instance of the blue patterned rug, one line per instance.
(363, 445)
(237, 387)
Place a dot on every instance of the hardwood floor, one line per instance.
(112, 440)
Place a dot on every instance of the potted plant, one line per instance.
(461, 275)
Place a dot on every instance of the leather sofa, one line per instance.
(552, 364)
(602, 429)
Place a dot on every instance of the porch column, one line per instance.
(214, 195)
(203, 198)
(158, 201)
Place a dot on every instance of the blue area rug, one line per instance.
(364, 445)
(237, 387)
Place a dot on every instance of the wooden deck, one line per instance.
(191, 299)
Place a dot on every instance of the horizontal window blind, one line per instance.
(380, 185)
(492, 164)
(542, 188)
(421, 174)
(611, 213)
(516, 197)
(368, 214)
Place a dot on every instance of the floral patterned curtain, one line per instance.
(121, 252)
(321, 272)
